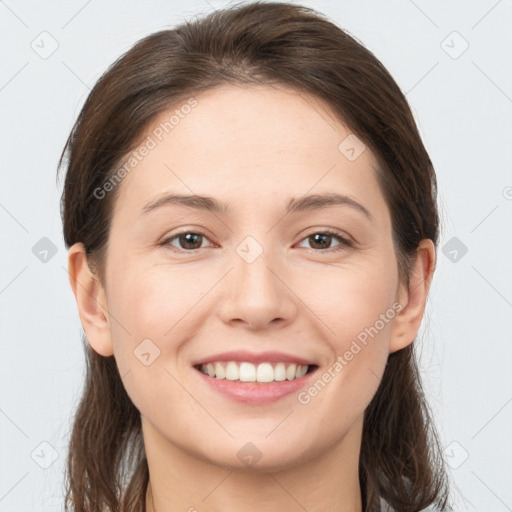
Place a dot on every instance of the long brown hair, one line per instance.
(259, 42)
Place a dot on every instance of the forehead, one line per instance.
(251, 144)
(263, 120)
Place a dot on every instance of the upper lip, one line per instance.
(255, 358)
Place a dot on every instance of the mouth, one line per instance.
(241, 372)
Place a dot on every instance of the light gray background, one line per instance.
(462, 101)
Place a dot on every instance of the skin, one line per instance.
(255, 148)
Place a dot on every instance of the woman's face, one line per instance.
(255, 276)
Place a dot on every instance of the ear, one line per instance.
(413, 299)
(90, 300)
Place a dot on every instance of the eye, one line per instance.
(323, 239)
(188, 240)
(191, 241)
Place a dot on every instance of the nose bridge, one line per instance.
(257, 293)
(255, 259)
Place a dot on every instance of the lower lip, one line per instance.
(252, 392)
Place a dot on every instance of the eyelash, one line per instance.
(345, 242)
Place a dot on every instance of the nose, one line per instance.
(257, 295)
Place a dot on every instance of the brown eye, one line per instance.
(321, 241)
(187, 240)
(190, 241)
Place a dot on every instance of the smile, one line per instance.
(226, 379)
(265, 372)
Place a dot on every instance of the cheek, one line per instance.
(357, 309)
(157, 311)
(150, 307)
(359, 317)
(152, 300)
(355, 302)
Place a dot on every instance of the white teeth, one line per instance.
(265, 373)
(291, 371)
(280, 372)
(232, 372)
(301, 371)
(248, 372)
(219, 371)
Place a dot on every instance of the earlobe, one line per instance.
(90, 300)
(413, 299)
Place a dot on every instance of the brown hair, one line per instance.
(274, 43)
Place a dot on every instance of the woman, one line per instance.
(252, 228)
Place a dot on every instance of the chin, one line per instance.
(257, 456)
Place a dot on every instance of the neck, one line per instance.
(328, 482)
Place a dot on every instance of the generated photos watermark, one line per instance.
(150, 143)
(304, 397)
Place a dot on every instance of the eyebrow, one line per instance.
(300, 204)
